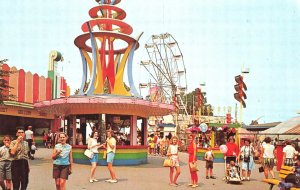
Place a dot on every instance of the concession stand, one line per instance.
(215, 135)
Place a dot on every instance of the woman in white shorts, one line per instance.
(173, 153)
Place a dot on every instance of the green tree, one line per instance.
(206, 108)
(188, 99)
(4, 87)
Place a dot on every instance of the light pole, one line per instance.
(240, 96)
(244, 71)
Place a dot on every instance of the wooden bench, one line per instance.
(284, 171)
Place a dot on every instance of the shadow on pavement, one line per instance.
(100, 180)
(156, 162)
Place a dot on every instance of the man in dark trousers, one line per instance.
(19, 166)
(29, 138)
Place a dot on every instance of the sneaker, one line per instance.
(194, 186)
(248, 178)
(113, 181)
(91, 181)
(173, 184)
(190, 184)
(212, 177)
(207, 177)
(95, 180)
(108, 180)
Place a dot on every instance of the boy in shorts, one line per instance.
(209, 157)
(5, 164)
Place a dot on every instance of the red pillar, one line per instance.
(56, 126)
(279, 149)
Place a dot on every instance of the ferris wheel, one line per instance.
(166, 69)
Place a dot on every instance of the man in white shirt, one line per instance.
(29, 138)
(288, 154)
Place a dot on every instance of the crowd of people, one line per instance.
(50, 139)
(158, 145)
(235, 158)
(14, 156)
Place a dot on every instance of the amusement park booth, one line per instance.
(215, 136)
(26, 89)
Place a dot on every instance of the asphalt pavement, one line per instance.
(145, 177)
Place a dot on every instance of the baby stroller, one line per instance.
(232, 174)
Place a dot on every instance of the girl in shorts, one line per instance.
(93, 145)
(173, 153)
(63, 160)
(110, 146)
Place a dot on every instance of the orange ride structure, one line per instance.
(103, 99)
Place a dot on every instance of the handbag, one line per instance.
(261, 169)
(88, 153)
(167, 162)
(193, 166)
(246, 159)
(33, 147)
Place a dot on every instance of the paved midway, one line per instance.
(146, 177)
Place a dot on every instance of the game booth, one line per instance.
(215, 135)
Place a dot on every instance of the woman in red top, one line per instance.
(232, 152)
(192, 149)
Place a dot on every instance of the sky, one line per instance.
(217, 39)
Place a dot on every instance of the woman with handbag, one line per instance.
(192, 150)
(173, 154)
(247, 156)
(93, 145)
(63, 160)
(268, 157)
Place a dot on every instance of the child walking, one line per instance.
(33, 149)
(5, 164)
(209, 157)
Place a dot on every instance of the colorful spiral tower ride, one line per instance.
(105, 47)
